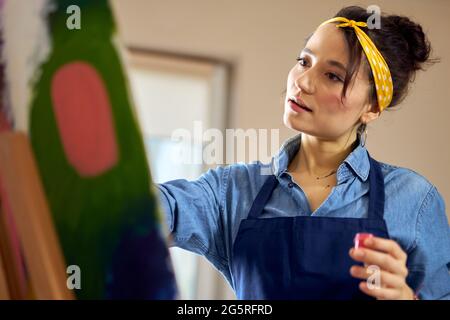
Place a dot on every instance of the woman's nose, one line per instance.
(304, 82)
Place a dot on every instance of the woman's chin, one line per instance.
(290, 121)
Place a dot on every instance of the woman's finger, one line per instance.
(380, 293)
(386, 279)
(383, 260)
(387, 246)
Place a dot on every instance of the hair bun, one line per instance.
(419, 47)
(401, 42)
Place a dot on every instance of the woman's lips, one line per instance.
(297, 107)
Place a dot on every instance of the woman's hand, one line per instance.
(389, 257)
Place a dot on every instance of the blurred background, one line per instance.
(225, 63)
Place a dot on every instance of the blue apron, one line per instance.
(302, 257)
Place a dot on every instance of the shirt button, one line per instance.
(291, 184)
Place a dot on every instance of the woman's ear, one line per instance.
(371, 113)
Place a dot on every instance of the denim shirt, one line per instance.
(204, 215)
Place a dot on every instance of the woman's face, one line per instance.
(318, 80)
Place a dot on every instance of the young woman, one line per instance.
(290, 235)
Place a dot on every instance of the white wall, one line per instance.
(262, 38)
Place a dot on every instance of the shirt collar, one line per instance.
(357, 162)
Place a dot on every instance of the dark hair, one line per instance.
(402, 43)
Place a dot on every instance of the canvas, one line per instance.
(77, 111)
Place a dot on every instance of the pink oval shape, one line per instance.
(84, 119)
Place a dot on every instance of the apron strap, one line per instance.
(376, 191)
(262, 197)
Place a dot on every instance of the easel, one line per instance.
(31, 261)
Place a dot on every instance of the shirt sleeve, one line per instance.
(429, 260)
(194, 214)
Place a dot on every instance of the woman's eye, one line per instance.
(301, 61)
(334, 77)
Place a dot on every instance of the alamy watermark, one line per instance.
(73, 22)
(213, 147)
(374, 280)
(74, 278)
(374, 20)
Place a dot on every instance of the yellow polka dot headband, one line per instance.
(380, 69)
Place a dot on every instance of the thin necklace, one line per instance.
(331, 173)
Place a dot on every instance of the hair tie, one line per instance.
(379, 67)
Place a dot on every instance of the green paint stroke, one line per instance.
(91, 213)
